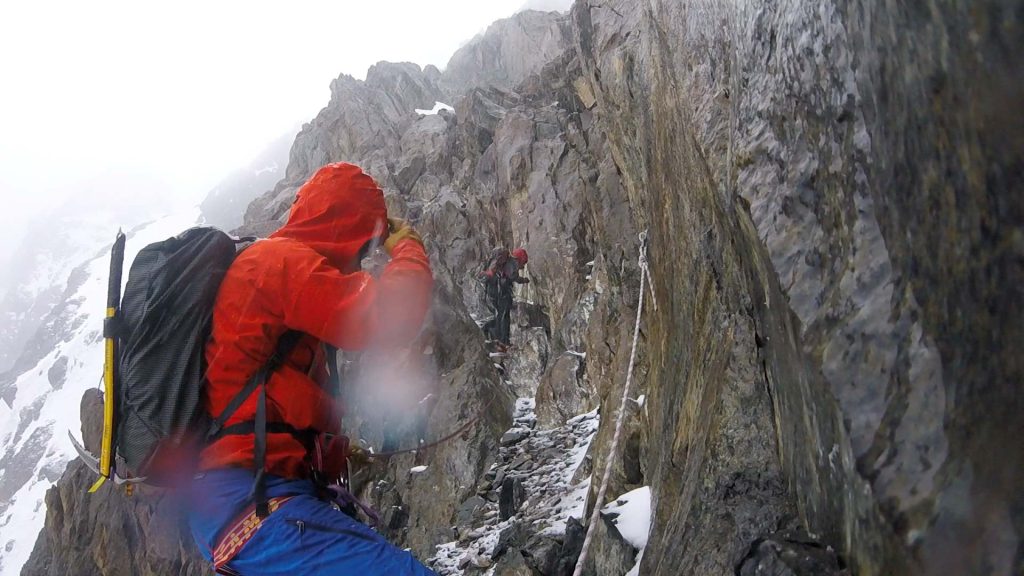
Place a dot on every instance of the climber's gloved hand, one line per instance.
(358, 456)
(399, 230)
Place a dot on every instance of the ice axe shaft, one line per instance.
(110, 359)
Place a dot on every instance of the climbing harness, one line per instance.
(238, 534)
(645, 274)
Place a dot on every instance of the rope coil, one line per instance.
(645, 273)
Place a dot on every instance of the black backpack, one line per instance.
(156, 339)
(499, 257)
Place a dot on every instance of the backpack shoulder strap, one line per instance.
(258, 381)
(285, 344)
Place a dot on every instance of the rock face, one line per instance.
(107, 532)
(789, 553)
(508, 52)
(827, 355)
(811, 168)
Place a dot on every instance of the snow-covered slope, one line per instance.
(37, 275)
(41, 401)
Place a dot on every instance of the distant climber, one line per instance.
(498, 277)
(296, 295)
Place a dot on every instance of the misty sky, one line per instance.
(180, 93)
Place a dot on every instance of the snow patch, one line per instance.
(417, 469)
(267, 169)
(438, 106)
(554, 458)
(631, 514)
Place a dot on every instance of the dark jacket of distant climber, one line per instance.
(306, 277)
(501, 272)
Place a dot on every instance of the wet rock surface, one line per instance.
(804, 166)
(790, 553)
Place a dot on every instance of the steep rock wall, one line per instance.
(870, 262)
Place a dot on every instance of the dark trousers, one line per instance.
(503, 320)
(500, 327)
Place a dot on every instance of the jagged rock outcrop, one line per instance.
(827, 366)
(107, 532)
(508, 52)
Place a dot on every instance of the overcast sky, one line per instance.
(182, 92)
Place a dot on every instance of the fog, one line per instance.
(180, 93)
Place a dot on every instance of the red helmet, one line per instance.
(521, 256)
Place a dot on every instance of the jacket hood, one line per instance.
(337, 213)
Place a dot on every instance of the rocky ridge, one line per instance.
(828, 371)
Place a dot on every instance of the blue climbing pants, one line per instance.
(305, 536)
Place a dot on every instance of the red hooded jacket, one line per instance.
(306, 277)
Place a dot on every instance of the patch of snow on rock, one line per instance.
(631, 514)
(546, 463)
(438, 106)
(271, 169)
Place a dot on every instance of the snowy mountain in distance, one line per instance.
(56, 241)
(40, 403)
(51, 317)
(225, 205)
(39, 272)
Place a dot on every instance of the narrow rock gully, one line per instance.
(528, 506)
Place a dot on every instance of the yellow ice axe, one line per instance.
(110, 361)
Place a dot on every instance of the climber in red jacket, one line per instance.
(304, 280)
